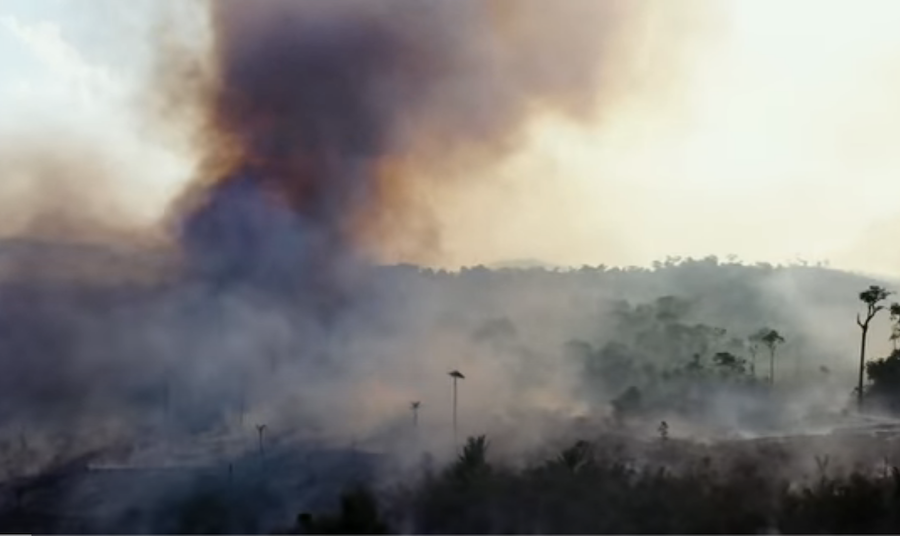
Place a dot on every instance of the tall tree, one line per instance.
(754, 342)
(456, 375)
(872, 297)
(772, 339)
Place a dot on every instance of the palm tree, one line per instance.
(772, 339)
(415, 409)
(872, 297)
(456, 375)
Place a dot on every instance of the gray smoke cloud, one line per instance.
(352, 113)
(318, 126)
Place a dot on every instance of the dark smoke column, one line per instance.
(298, 99)
(311, 101)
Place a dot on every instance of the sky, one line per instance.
(775, 141)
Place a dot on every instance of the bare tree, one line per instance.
(455, 375)
(772, 339)
(872, 297)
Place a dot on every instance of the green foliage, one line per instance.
(874, 295)
(575, 457)
(853, 505)
(772, 339)
(669, 363)
(730, 364)
(214, 511)
(205, 513)
(663, 430)
(579, 491)
(884, 378)
(895, 324)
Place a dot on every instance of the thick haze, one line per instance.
(759, 128)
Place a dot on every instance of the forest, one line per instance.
(696, 396)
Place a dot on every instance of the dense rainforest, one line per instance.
(694, 396)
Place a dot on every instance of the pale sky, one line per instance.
(780, 144)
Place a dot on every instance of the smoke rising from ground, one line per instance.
(324, 132)
(358, 115)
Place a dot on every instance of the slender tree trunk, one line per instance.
(455, 443)
(772, 366)
(415, 418)
(862, 367)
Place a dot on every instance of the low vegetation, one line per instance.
(583, 491)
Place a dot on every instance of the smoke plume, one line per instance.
(326, 134)
(353, 116)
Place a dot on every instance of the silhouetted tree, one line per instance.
(872, 297)
(895, 326)
(663, 430)
(772, 339)
(575, 457)
(884, 378)
(472, 461)
(455, 375)
(359, 514)
(729, 364)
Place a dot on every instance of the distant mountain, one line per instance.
(522, 264)
(40, 257)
